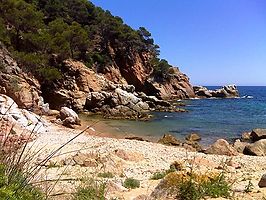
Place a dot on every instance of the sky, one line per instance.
(214, 42)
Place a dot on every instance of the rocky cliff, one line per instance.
(177, 86)
(125, 84)
(135, 69)
(22, 87)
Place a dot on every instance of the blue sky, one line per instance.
(215, 42)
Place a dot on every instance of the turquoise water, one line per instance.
(211, 118)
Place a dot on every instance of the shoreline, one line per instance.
(138, 159)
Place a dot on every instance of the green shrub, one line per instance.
(50, 73)
(161, 175)
(131, 183)
(106, 175)
(91, 190)
(190, 186)
(14, 186)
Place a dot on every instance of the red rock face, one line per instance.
(135, 70)
(132, 69)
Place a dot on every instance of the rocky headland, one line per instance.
(88, 61)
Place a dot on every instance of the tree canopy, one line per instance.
(36, 30)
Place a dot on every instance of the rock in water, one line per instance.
(202, 91)
(193, 137)
(169, 139)
(258, 134)
(221, 147)
(256, 149)
(262, 182)
(228, 91)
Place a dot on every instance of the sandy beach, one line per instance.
(90, 154)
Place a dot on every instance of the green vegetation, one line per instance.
(43, 33)
(14, 186)
(131, 183)
(190, 186)
(15, 174)
(91, 190)
(106, 175)
(161, 175)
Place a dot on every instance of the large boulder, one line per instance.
(240, 146)
(193, 137)
(221, 147)
(258, 134)
(69, 117)
(256, 149)
(21, 118)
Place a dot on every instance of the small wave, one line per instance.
(247, 97)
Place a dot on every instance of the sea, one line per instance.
(210, 118)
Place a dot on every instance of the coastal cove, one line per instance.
(211, 118)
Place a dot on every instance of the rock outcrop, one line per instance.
(126, 104)
(23, 119)
(176, 87)
(132, 69)
(119, 91)
(78, 80)
(21, 87)
(228, 91)
(116, 104)
(135, 69)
